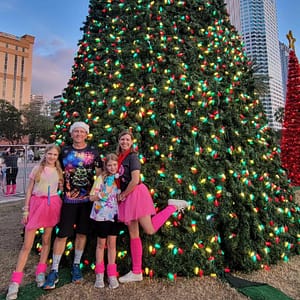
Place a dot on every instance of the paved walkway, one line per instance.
(11, 198)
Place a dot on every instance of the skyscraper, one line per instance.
(233, 8)
(284, 54)
(16, 68)
(54, 105)
(259, 30)
(37, 103)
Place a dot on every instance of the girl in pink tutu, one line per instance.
(136, 205)
(41, 209)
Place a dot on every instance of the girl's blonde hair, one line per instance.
(108, 157)
(43, 164)
(124, 132)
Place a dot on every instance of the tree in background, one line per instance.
(176, 74)
(36, 125)
(11, 128)
(290, 142)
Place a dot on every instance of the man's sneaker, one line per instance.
(76, 274)
(40, 279)
(13, 290)
(180, 204)
(130, 277)
(99, 283)
(113, 282)
(52, 279)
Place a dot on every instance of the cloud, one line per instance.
(51, 71)
(47, 47)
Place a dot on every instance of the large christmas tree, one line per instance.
(175, 73)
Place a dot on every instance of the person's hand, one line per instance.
(24, 219)
(121, 197)
(25, 215)
(94, 198)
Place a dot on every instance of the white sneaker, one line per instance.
(99, 283)
(40, 279)
(130, 277)
(180, 204)
(113, 282)
(13, 290)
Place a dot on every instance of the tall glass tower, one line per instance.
(284, 54)
(257, 23)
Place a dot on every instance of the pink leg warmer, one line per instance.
(40, 268)
(99, 268)
(17, 277)
(136, 255)
(161, 218)
(111, 270)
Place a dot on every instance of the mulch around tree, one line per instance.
(283, 276)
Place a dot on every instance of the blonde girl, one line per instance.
(41, 209)
(104, 215)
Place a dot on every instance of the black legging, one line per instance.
(11, 175)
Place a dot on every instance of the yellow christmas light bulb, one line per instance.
(196, 245)
(252, 253)
(171, 246)
(208, 250)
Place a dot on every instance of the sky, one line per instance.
(56, 24)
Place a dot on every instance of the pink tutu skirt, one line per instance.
(43, 213)
(137, 204)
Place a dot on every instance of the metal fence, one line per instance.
(28, 157)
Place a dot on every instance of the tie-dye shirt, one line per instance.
(48, 183)
(106, 208)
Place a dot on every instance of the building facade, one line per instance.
(284, 55)
(53, 106)
(259, 30)
(37, 104)
(233, 8)
(16, 68)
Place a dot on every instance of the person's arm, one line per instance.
(94, 193)
(98, 171)
(27, 199)
(135, 179)
(98, 166)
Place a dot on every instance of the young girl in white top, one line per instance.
(41, 209)
(104, 213)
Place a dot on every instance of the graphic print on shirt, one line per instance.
(106, 208)
(79, 171)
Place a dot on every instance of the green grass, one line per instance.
(31, 292)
